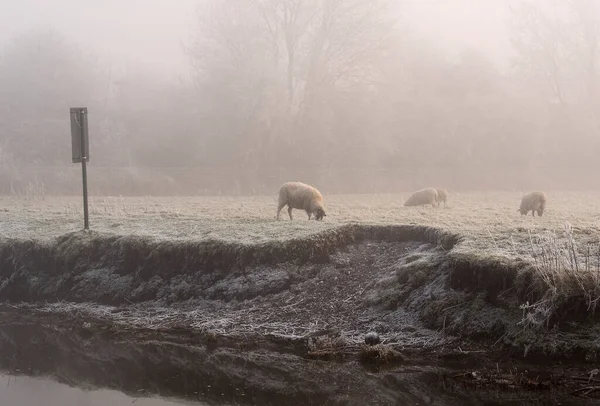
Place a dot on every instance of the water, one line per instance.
(45, 345)
(26, 391)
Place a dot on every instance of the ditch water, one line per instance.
(27, 391)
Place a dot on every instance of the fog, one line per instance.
(214, 97)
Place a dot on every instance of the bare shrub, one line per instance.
(566, 274)
(8, 170)
(34, 190)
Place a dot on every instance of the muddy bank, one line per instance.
(147, 256)
(350, 279)
(280, 322)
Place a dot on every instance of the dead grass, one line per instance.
(328, 347)
(379, 354)
(565, 281)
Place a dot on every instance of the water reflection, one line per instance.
(26, 391)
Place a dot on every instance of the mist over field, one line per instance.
(452, 146)
(213, 97)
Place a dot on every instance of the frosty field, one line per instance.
(488, 221)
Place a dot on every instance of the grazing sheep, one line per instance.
(442, 196)
(534, 201)
(422, 197)
(297, 195)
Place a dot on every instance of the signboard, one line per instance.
(79, 135)
(81, 152)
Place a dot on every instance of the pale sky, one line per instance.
(150, 33)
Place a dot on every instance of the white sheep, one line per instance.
(534, 201)
(422, 197)
(298, 195)
(442, 196)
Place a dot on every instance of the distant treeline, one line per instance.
(337, 93)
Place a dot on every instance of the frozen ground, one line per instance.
(489, 221)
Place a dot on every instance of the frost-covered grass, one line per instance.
(489, 221)
(494, 233)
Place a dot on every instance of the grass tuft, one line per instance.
(565, 284)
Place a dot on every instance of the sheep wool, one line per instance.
(534, 202)
(442, 196)
(423, 197)
(298, 195)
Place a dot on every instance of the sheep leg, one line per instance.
(290, 212)
(309, 214)
(281, 206)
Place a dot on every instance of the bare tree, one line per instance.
(283, 65)
(41, 76)
(586, 26)
(560, 40)
(539, 35)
